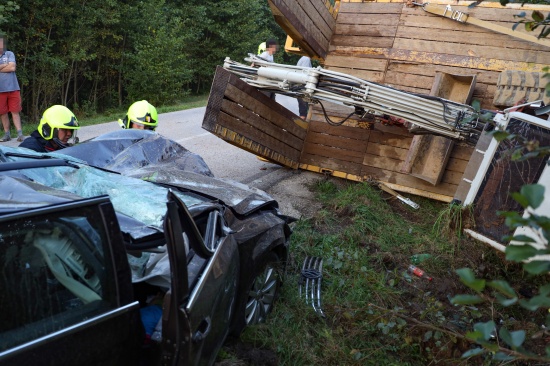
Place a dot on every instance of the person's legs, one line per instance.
(14, 105)
(4, 109)
(16, 118)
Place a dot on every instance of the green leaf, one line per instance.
(504, 301)
(537, 267)
(485, 328)
(513, 339)
(466, 300)
(520, 15)
(428, 335)
(523, 239)
(499, 135)
(517, 253)
(547, 349)
(468, 278)
(473, 352)
(537, 16)
(544, 290)
(476, 105)
(521, 199)
(534, 194)
(503, 287)
(535, 302)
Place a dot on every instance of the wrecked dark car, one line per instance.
(99, 268)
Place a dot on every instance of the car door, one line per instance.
(65, 288)
(205, 268)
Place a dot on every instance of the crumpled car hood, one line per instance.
(125, 150)
(241, 198)
(150, 156)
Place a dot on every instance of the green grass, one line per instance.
(376, 313)
(190, 102)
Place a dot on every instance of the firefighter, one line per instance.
(56, 130)
(141, 115)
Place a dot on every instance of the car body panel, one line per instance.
(41, 311)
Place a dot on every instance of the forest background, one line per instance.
(98, 55)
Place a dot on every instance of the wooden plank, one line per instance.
(464, 38)
(343, 131)
(319, 15)
(331, 163)
(372, 76)
(356, 62)
(484, 13)
(253, 147)
(274, 107)
(291, 24)
(390, 139)
(335, 141)
(304, 19)
(384, 175)
(386, 151)
(366, 30)
(457, 165)
(357, 41)
(369, 8)
(413, 68)
(398, 130)
(217, 91)
(432, 58)
(264, 110)
(463, 152)
(314, 14)
(258, 136)
(451, 177)
(333, 152)
(415, 81)
(394, 165)
(382, 162)
(372, 19)
(248, 117)
(424, 20)
(447, 48)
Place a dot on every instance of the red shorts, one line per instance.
(10, 102)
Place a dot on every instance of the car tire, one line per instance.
(261, 294)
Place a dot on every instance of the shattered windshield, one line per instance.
(136, 198)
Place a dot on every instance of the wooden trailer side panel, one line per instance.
(245, 117)
(405, 47)
(308, 22)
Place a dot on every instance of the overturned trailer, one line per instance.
(443, 51)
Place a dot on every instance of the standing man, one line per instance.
(271, 47)
(10, 97)
(304, 61)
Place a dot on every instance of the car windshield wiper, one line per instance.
(41, 163)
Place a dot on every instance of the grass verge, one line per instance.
(376, 312)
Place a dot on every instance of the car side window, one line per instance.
(55, 271)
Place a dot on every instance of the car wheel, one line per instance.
(263, 291)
